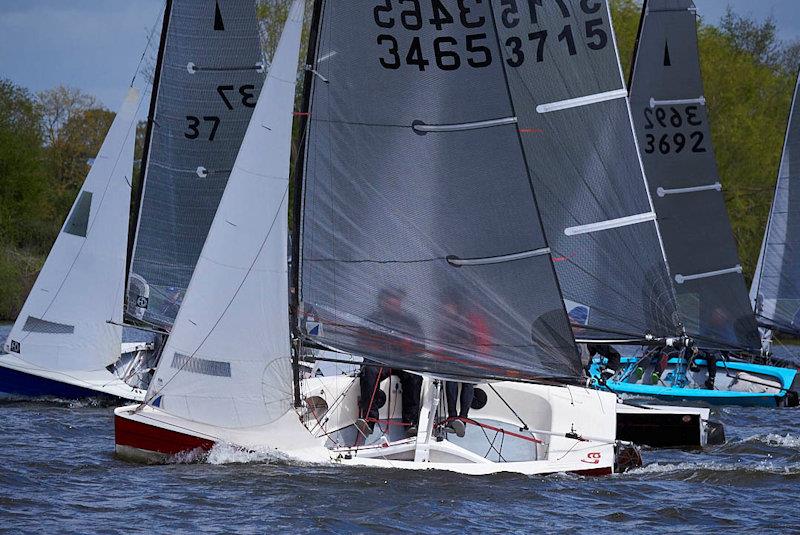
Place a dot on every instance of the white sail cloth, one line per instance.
(227, 361)
(64, 325)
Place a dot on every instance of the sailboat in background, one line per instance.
(206, 82)
(669, 112)
(377, 219)
(775, 292)
(66, 341)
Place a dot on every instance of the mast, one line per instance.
(134, 221)
(297, 201)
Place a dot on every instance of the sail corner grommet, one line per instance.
(191, 68)
(202, 172)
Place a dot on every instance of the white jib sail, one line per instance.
(63, 325)
(227, 361)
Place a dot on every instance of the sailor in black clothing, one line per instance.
(393, 332)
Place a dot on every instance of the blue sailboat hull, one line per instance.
(676, 393)
(18, 384)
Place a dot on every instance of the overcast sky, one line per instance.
(95, 45)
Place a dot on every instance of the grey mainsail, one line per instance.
(565, 78)
(421, 246)
(208, 79)
(672, 125)
(776, 285)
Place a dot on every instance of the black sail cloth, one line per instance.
(210, 78)
(776, 285)
(672, 125)
(574, 120)
(416, 196)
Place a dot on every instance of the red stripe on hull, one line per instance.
(156, 439)
(595, 472)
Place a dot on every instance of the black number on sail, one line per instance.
(540, 38)
(698, 141)
(566, 35)
(394, 61)
(532, 5)
(411, 18)
(594, 30)
(590, 9)
(378, 14)
(514, 45)
(478, 50)
(414, 56)
(440, 15)
(193, 126)
(510, 13)
(691, 116)
(245, 91)
(465, 11)
(447, 60)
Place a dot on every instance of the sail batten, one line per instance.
(207, 82)
(592, 194)
(672, 125)
(451, 187)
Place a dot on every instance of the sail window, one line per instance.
(38, 325)
(663, 192)
(609, 224)
(458, 262)
(421, 127)
(78, 222)
(677, 102)
(186, 363)
(680, 279)
(581, 101)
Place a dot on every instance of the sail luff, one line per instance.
(138, 194)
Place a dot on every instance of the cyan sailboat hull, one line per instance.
(779, 396)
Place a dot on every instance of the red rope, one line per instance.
(493, 428)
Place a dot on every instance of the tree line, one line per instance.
(48, 139)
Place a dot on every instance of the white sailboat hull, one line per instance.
(146, 433)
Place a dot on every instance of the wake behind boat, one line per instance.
(67, 339)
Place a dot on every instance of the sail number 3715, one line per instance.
(476, 48)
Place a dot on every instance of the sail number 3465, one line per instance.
(475, 50)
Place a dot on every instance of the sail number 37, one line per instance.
(475, 48)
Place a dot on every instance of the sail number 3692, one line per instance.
(660, 118)
(475, 50)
